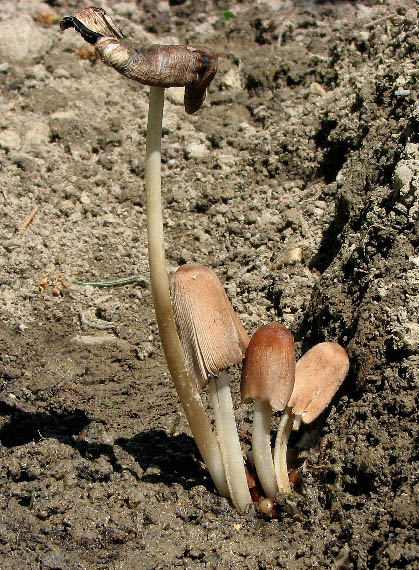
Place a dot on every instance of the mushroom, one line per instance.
(213, 339)
(268, 379)
(318, 375)
(161, 66)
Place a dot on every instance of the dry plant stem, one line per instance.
(29, 218)
(261, 447)
(280, 452)
(183, 381)
(229, 442)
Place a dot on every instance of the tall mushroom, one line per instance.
(213, 339)
(318, 375)
(159, 67)
(268, 379)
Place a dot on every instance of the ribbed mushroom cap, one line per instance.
(211, 334)
(269, 366)
(318, 375)
(192, 67)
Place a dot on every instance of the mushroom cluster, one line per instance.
(200, 332)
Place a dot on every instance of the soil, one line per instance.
(298, 183)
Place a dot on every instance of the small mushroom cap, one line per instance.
(209, 329)
(269, 366)
(318, 375)
(192, 67)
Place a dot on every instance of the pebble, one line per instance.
(317, 89)
(85, 198)
(22, 40)
(411, 17)
(196, 150)
(231, 80)
(175, 95)
(36, 138)
(402, 92)
(402, 177)
(37, 72)
(10, 140)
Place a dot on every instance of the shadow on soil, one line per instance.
(170, 459)
(173, 459)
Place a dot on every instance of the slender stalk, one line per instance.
(183, 381)
(229, 442)
(261, 446)
(280, 452)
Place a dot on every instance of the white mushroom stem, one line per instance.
(183, 381)
(261, 447)
(286, 425)
(229, 442)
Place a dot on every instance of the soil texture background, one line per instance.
(298, 184)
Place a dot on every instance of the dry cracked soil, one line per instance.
(298, 183)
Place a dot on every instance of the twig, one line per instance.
(29, 218)
(99, 340)
(115, 283)
(383, 19)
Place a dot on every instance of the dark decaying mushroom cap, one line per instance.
(209, 329)
(192, 67)
(91, 23)
(269, 366)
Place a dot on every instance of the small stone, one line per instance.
(232, 79)
(10, 140)
(402, 92)
(317, 89)
(411, 17)
(37, 72)
(36, 138)
(85, 198)
(109, 219)
(196, 150)
(175, 95)
(363, 36)
(62, 73)
(22, 40)
(402, 177)
(290, 256)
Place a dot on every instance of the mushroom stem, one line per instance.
(261, 446)
(229, 442)
(280, 452)
(184, 383)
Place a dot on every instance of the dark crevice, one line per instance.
(331, 240)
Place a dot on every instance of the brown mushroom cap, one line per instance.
(269, 366)
(192, 67)
(318, 375)
(211, 334)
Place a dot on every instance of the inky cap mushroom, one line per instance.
(210, 331)
(192, 67)
(213, 339)
(268, 379)
(159, 67)
(319, 373)
(268, 370)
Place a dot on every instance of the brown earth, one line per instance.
(307, 147)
